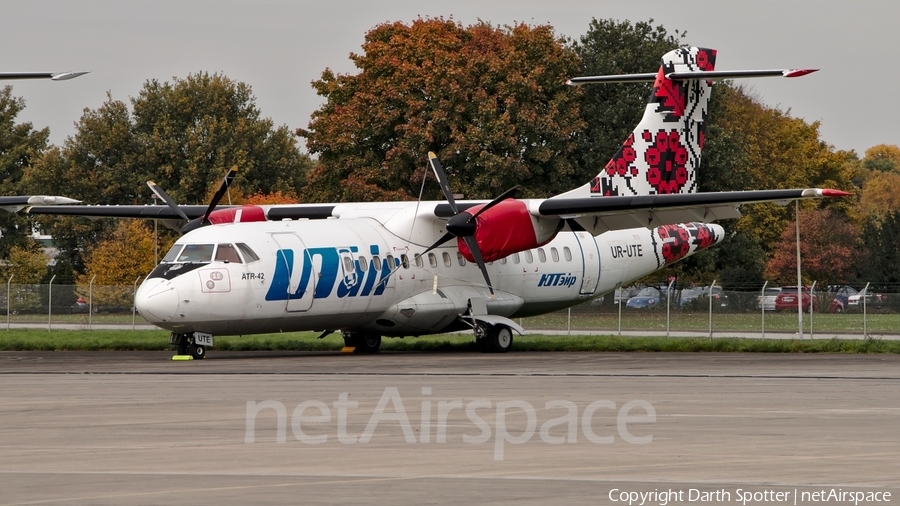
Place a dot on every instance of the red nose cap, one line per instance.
(835, 193)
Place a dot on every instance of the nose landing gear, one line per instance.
(187, 346)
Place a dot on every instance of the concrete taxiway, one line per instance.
(444, 428)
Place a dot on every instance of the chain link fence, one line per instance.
(699, 310)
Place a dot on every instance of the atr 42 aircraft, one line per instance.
(389, 269)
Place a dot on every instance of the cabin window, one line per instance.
(363, 263)
(419, 262)
(461, 259)
(528, 256)
(503, 261)
(196, 253)
(390, 261)
(567, 253)
(432, 259)
(447, 261)
(404, 260)
(554, 254)
(515, 258)
(172, 255)
(227, 253)
(249, 254)
(348, 264)
(541, 255)
(376, 262)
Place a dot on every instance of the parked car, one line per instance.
(872, 299)
(789, 296)
(646, 298)
(767, 300)
(625, 293)
(720, 298)
(689, 294)
(841, 298)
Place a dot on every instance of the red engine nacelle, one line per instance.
(502, 230)
(243, 214)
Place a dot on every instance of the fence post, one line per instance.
(710, 306)
(865, 293)
(812, 304)
(668, 303)
(762, 304)
(619, 289)
(569, 323)
(50, 302)
(133, 299)
(91, 303)
(8, 299)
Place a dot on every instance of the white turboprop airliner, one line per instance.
(389, 269)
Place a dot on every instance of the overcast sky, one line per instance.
(279, 46)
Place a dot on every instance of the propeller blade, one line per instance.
(505, 195)
(476, 252)
(219, 193)
(439, 242)
(159, 192)
(442, 180)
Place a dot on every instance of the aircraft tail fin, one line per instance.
(662, 154)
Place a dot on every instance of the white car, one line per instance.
(767, 300)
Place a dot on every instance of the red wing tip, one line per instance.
(835, 193)
(799, 72)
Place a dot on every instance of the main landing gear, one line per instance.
(364, 342)
(187, 346)
(493, 338)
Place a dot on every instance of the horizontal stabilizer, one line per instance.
(711, 75)
(53, 76)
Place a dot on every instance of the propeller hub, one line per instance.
(461, 225)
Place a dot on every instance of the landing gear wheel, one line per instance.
(499, 339)
(363, 342)
(197, 351)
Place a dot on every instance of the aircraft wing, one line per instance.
(599, 214)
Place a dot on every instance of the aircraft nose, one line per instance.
(157, 300)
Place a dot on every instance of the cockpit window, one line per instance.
(249, 254)
(196, 253)
(172, 255)
(227, 253)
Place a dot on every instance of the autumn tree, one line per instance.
(882, 158)
(183, 135)
(124, 254)
(490, 101)
(828, 250)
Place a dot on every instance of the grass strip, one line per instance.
(118, 340)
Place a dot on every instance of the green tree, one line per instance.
(182, 135)
(611, 111)
(20, 143)
(879, 261)
(490, 101)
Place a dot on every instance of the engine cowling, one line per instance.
(243, 214)
(505, 229)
